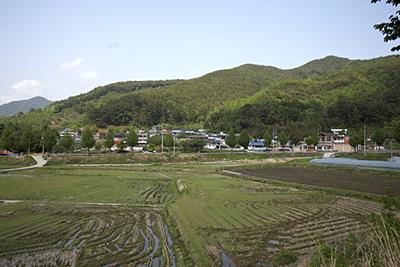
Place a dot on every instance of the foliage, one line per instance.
(109, 142)
(357, 138)
(379, 136)
(244, 139)
(285, 257)
(87, 140)
(66, 142)
(231, 140)
(283, 138)
(193, 145)
(267, 139)
(391, 29)
(312, 140)
(132, 138)
(154, 140)
(168, 140)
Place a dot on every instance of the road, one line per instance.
(40, 162)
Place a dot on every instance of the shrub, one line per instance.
(285, 257)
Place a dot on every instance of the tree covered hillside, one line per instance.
(358, 92)
(328, 92)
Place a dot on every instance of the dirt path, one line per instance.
(40, 162)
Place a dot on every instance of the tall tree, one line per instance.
(231, 139)
(132, 139)
(87, 140)
(109, 142)
(379, 136)
(244, 139)
(66, 142)
(390, 29)
(267, 139)
(283, 138)
(168, 140)
(49, 138)
(312, 140)
(357, 138)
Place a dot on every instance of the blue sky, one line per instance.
(61, 48)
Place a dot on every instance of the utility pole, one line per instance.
(364, 140)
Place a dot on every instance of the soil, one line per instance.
(369, 181)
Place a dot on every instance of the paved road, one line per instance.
(40, 162)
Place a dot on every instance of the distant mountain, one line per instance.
(14, 107)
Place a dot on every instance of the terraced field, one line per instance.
(299, 227)
(112, 216)
(83, 235)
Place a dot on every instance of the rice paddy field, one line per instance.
(177, 214)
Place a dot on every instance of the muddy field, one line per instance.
(83, 235)
(361, 180)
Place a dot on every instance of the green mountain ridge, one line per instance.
(322, 93)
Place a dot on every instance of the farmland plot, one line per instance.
(83, 235)
(250, 222)
(300, 227)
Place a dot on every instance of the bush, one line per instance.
(285, 257)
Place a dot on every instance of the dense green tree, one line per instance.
(231, 140)
(10, 137)
(391, 29)
(109, 142)
(244, 139)
(356, 138)
(50, 136)
(87, 139)
(283, 138)
(168, 140)
(312, 140)
(67, 142)
(155, 140)
(27, 138)
(379, 136)
(193, 145)
(132, 139)
(267, 139)
(2, 126)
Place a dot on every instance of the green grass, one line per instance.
(214, 212)
(7, 162)
(86, 185)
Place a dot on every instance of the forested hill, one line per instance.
(323, 93)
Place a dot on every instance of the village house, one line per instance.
(336, 140)
(257, 145)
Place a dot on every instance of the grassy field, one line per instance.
(15, 162)
(135, 158)
(168, 214)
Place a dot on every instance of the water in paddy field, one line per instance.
(358, 163)
(226, 261)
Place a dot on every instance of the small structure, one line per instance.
(257, 145)
(336, 140)
(5, 152)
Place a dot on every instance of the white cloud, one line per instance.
(89, 75)
(5, 99)
(72, 64)
(27, 87)
(22, 90)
